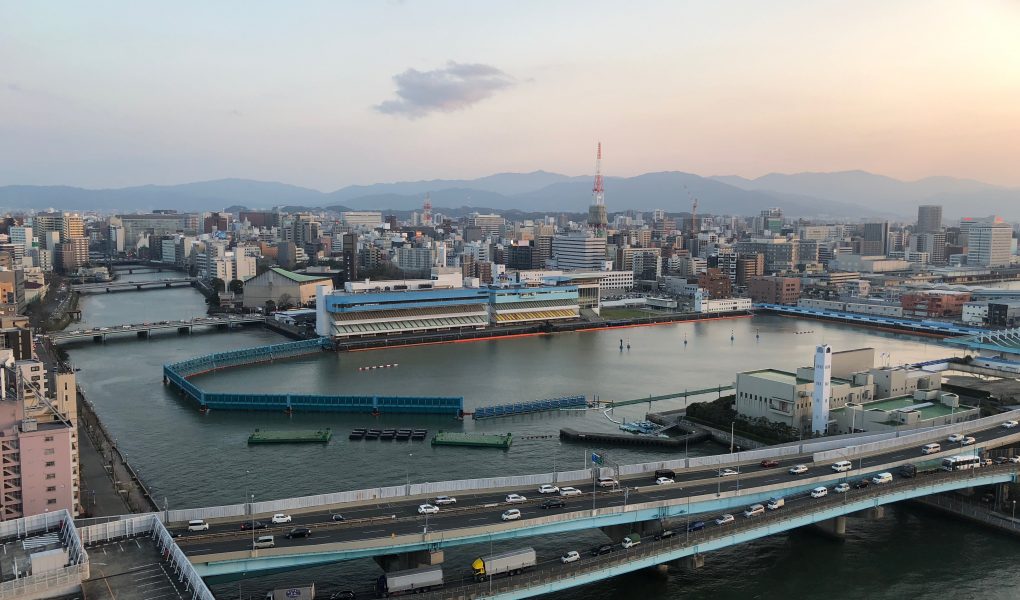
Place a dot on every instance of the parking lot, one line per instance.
(130, 569)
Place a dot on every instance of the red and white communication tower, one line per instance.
(598, 220)
(426, 210)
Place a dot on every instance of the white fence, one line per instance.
(822, 449)
(55, 583)
(915, 437)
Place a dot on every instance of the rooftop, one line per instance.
(778, 376)
(928, 409)
(297, 277)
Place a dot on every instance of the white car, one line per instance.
(1009, 424)
(515, 499)
(569, 491)
(608, 482)
(842, 488)
(444, 500)
(570, 557)
(548, 489)
(819, 492)
(1014, 459)
(724, 519)
(427, 509)
(967, 441)
(798, 469)
(664, 481)
(279, 518)
(727, 472)
(511, 515)
(956, 437)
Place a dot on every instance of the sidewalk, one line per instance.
(99, 497)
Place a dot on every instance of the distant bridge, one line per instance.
(122, 286)
(142, 330)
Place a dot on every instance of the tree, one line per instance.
(270, 306)
(236, 286)
(218, 284)
(284, 301)
(214, 300)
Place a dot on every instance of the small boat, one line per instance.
(357, 434)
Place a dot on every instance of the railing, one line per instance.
(977, 513)
(60, 581)
(687, 543)
(532, 406)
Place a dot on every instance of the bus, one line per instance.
(959, 463)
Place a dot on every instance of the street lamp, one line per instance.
(252, 505)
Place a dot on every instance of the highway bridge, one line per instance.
(123, 286)
(384, 523)
(143, 330)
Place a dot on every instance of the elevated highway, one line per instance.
(375, 525)
(143, 330)
(132, 286)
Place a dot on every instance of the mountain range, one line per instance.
(843, 195)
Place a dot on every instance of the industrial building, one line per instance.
(281, 287)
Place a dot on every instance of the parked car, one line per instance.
(727, 472)
(798, 469)
(249, 525)
(428, 509)
(570, 557)
(515, 499)
(279, 518)
(299, 532)
(510, 515)
(444, 500)
(819, 492)
(548, 489)
(841, 488)
(769, 463)
(664, 481)
(724, 519)
(569, 491)
(554, 503)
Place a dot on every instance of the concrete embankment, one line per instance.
(676, 418)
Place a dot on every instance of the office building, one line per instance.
(929, 219)
(361, 219)
(774, 290)
(988, 241)
(780, 255)
(874, 239)
(580, 251)
(490, 226)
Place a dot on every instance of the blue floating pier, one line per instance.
(534, 406)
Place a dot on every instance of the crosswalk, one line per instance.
(39, 541)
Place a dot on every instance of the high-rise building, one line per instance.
(875, 238)
(933, 243)
(769, 221)
(780, 254)
(489, 225)
(21, 237)
(578, 250)
(72, 253)
(349, 252)
(988, 241)
(929, 218)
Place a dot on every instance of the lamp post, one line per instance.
(252, 505)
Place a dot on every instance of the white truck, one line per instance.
(298, 592)
(411, 581)
(505, 562)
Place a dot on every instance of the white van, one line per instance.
(776, 503)
(931, 448)
(882, 478)
(843, 465)
(198, 525)
(607, 482)
(264, 541)
(754, 510)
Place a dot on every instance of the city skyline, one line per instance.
(120, 95)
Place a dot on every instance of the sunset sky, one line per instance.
(327, 94)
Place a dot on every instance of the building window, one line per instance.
(51, 476)
(51, 488)
(48, 438)
(51, 501)
(48, 451)
(50, 463)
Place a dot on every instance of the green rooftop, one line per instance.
(934, 410)
(778, 376)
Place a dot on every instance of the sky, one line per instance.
(327, 94)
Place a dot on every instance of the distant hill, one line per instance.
(850, 194)
(959, 197)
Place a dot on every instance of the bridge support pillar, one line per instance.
(409, 560)
(143, 333)
(692, 562)
(834, 528)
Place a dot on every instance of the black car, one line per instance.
(343, 595)
(603, 549)
(246, 525)
(862, 483)
(337, 517)
(696, 526)
(665, 534)
(299, 532)
(554, 503)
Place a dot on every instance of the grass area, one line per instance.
(625, 313)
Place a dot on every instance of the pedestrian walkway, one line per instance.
(99, 497)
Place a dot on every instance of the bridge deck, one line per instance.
(685, 394)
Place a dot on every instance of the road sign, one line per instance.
(596, 458)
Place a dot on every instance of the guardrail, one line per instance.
(686, 543)
(60, 581)
(321, 501)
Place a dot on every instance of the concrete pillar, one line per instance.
(834, 528)
(875, 512)
(643, 528)
(409, 560)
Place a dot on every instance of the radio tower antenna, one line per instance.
(598, 220)
(426, 214)
(597, 190)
